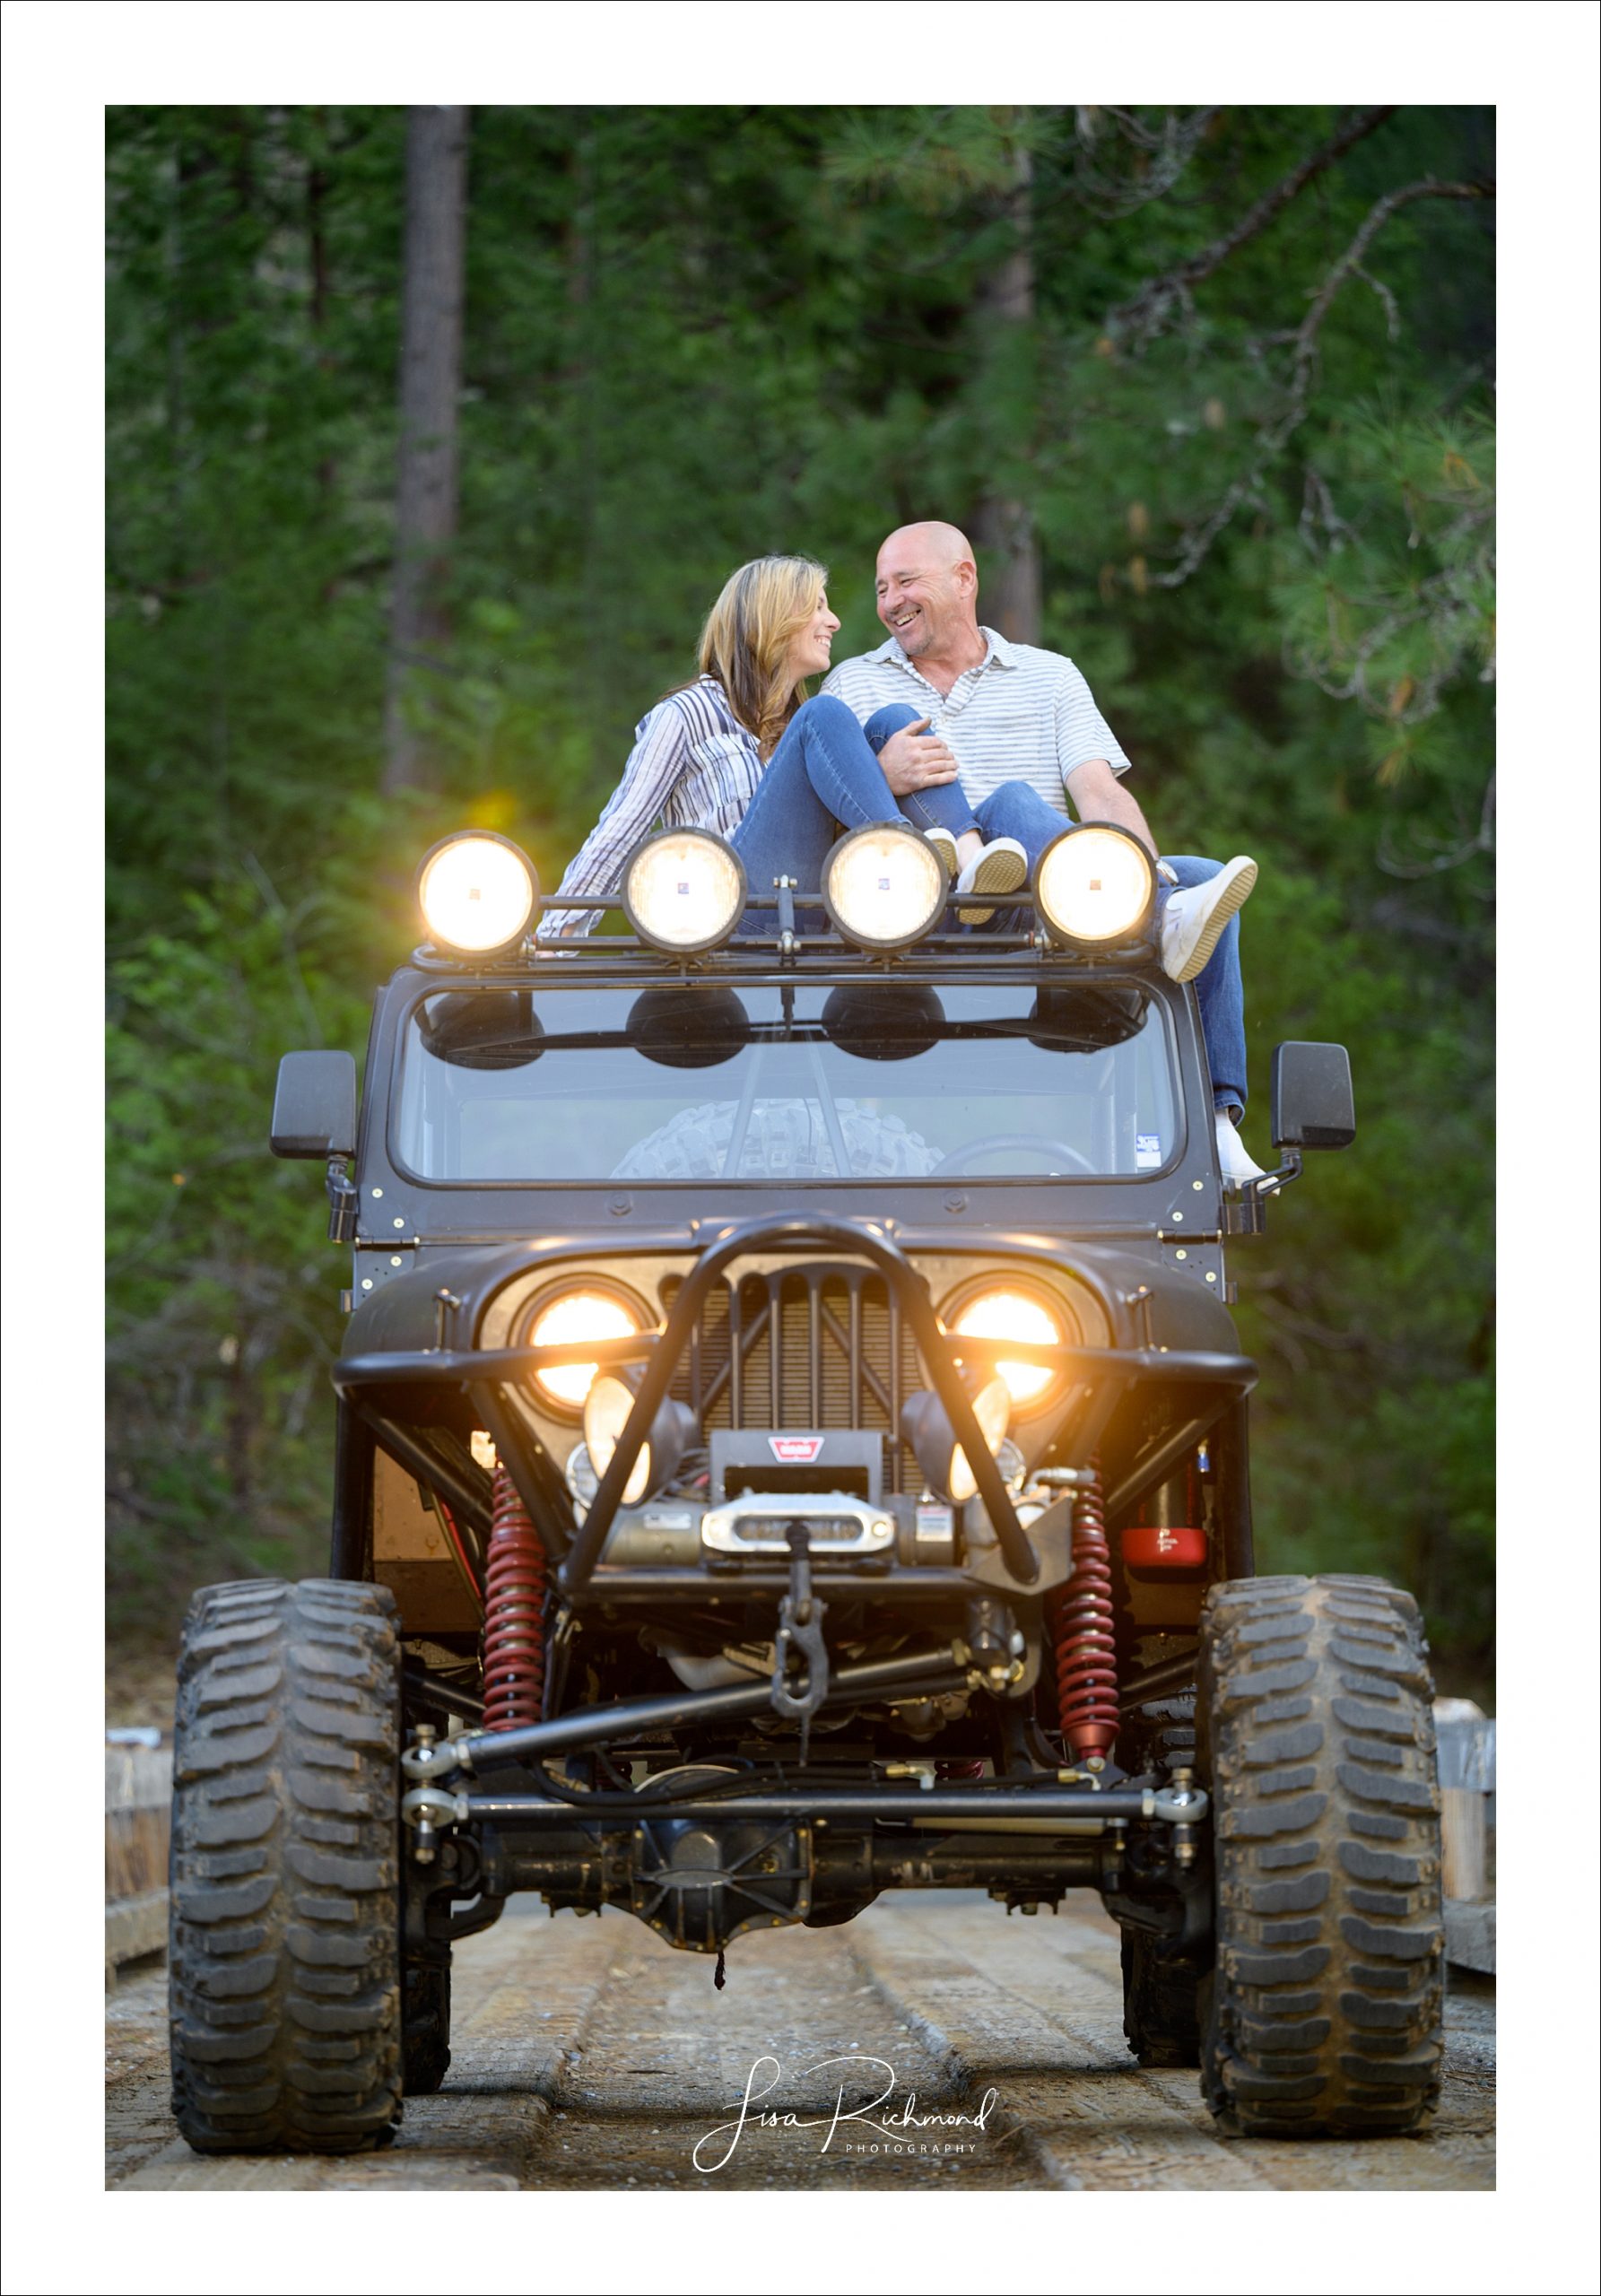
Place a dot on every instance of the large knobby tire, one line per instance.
(1161, 2020)
(425, 2031)
(1316, 1744)
(285, 1942)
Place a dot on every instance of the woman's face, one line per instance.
(809, 648)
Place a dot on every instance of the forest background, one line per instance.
(1212, 389)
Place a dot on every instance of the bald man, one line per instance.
(1019, 727)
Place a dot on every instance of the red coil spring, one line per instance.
(1082, 1622)
(514, 1590)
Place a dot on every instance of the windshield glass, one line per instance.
(802, 1083)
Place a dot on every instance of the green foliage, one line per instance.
(694, 334)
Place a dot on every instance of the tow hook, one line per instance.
(800, 1630)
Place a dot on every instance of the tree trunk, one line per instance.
(1004, 526)
(436, 169)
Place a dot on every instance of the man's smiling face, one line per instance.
(925, 596)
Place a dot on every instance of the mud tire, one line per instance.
(1161, 2018)
(425, 2031)
(1323, 2015)
(285, 1999)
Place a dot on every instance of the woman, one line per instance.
(741, 751)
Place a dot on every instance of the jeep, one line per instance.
(792, 1444)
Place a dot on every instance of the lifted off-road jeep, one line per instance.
(792, 1446)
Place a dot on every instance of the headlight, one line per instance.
(478, 893)
(573, 1316)
(1095, 886)
(883, 886)
(683, 889)
(605, 1414)
(1002, 1313)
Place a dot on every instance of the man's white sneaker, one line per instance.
(1002, 867)
(1193, 921)
(1235, 1165)
(945, 845)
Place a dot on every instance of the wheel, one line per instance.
(1159, 1734)
(1323, 2014)
(1161, 2001)
(285, 1938)
(959, 1159)
(425, 2027)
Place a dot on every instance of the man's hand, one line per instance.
(915, 759)
(1098, 796)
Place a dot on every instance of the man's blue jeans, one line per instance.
(824, 778)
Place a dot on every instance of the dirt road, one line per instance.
(589, 2055)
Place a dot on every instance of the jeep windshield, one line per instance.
(803, 1083)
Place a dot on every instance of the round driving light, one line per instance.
(1095, 886)
(605, 1414)
(883, 886)
(683, 889)
(478, 893)
(570, 1316)
(1004, 1313)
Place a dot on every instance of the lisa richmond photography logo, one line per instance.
(854, 2122)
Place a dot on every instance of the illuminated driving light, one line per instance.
(883, 886)
(1014, 1314)
(1095, 886)
(576, 1316)
(605, 1414)
(683, 889)
(478, 893)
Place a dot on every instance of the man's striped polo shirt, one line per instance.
(1021, 715)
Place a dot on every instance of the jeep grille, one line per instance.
(844, 1356)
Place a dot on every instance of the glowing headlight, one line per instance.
(574, 1315)
(683, 889)
(478, 893)
(1002, 1314)
(883, 886)
(1095, 886)
(606, 1413)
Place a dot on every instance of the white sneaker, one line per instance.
(1000, 866)
(945, 845)
(1236, 1166)
(1193, 921)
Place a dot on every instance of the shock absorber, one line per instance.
(1082, 1622)
(515, 1578)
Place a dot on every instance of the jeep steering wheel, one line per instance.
(960, 1158)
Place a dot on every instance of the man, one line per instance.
(1000, 714)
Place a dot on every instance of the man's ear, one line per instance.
(967, 578)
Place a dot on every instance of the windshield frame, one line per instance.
(750, 1187)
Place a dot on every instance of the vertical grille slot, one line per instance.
(823, 1345)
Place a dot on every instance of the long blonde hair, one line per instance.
(760, 609)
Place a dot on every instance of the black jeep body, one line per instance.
(766, 1660)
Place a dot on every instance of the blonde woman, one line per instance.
(741, 751)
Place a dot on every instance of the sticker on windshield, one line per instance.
(1147, 1150)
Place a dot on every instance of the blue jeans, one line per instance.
(824, 778)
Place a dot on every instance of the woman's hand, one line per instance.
(914, 759)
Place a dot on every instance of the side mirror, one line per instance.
(1311, 1098)
(314, 1109)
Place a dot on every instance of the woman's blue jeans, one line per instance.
(824, 778)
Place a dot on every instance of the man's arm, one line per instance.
(1098, 796)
